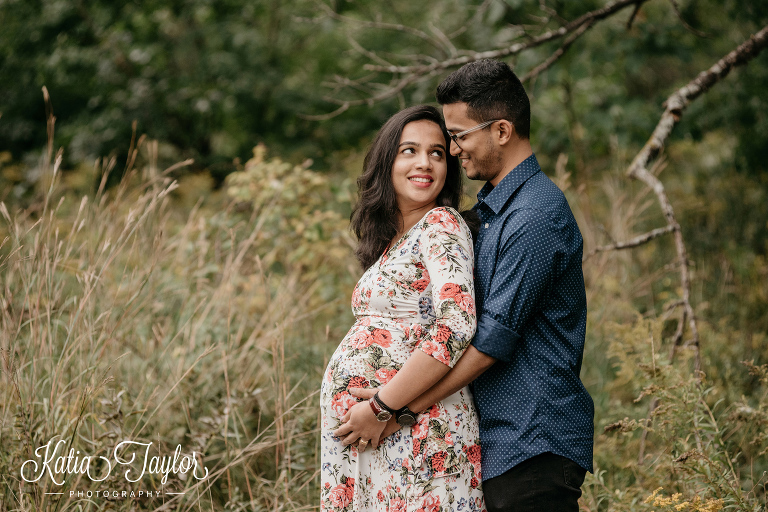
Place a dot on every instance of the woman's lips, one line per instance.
(421, 181)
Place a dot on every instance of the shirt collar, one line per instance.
(496, 197)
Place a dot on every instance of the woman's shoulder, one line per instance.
(445, 219)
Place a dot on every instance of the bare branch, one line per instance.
(380, 25)
(449, 47)
(371, 55)
(634, 242)
(632, 16)
(676, 7)
(324, 117)
(480, 11)
(674, 107)
(390, 91)
(427, 67)
(516, 48)
(535, 72)
(678, 101)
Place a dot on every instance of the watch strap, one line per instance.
(383, 405)
(380, 413)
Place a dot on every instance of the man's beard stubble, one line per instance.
(489, 166)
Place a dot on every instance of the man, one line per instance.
(536, 417)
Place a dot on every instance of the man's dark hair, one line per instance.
(375, 218)
(491, 90)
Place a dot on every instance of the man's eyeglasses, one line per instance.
(456, 136)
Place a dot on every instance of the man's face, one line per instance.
(480, 157)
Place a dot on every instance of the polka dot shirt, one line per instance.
(532, 316)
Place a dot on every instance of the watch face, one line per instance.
(406, 420)
(384, 416)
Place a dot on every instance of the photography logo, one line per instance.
(132, 458)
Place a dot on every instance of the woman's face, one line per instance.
(420, 167)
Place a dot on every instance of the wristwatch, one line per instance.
(380, 409)
(405, 417)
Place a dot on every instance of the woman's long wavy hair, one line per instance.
(375, 218)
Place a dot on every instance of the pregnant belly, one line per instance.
(369, 356)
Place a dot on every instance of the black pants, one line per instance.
(547, 482)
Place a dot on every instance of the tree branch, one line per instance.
(380, 25)
(551, 35)
(405, 75)
(634, 242)
(535, 72)
(674, 107)
(678, 101)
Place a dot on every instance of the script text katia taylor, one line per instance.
(129, 453)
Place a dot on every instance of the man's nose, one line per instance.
(455, 149)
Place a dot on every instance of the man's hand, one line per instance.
(392, 425)
(360, 424)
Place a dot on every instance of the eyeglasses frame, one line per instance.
(456, 136)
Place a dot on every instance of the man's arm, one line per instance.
(470, 366)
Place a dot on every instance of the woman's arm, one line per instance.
(446, 251)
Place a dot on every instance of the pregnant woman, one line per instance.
(415, 315)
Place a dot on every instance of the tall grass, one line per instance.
(125, 314)
(123, 318)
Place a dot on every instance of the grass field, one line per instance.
(160, 311)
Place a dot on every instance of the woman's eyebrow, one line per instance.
(409, 143)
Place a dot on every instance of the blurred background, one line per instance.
(176, 266)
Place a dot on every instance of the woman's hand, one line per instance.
(360, 424)
(392, 425)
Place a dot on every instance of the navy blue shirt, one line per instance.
(532, 316)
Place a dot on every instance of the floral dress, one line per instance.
(418, 295)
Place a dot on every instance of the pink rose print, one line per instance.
(339, 496)
(431, 504)
(341, 403)
(466, 303)
(438, 461)
(356, 300)
(358, 382)
(397, 505)
(473, 453)
(382, 337)
(416, 446)
(449, 291)
(419, 430)
(445, 220)
(420, 284)
(350, 483)
(384, 375)
(443, 334)
(361, 340)
(435, 350)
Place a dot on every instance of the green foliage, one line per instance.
(162, 309)
(300, 227)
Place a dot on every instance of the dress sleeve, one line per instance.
(446, 251)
